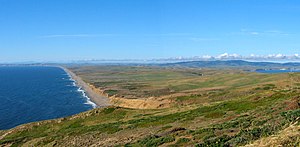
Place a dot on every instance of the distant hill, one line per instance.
(235, 64)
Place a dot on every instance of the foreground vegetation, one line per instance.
(207, 108)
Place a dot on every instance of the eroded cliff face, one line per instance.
(142, 103)
(147, 103)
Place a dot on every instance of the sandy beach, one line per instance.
(101, 101)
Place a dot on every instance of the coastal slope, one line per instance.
(207, 107)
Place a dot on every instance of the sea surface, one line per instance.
(32, 93)
(276, 71)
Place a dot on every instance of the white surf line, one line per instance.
(80, 89)
(88, 100)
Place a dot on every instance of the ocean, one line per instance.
(35, 93)
(276, 71)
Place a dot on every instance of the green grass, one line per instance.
(218, 108)
(151, 141)
(246, 123)
(182, 141)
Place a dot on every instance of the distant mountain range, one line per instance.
(223, 57)
(240, 64)
(252, 57)
(235, 64)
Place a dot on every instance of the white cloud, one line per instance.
(229, 56)
(296, 55)
(207, 57)
(224, 55)
(261, 33)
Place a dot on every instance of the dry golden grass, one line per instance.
(287, 137)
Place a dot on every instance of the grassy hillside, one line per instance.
(207, 108)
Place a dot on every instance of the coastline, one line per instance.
(98, 97)
(99, 100)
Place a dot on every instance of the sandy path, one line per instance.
(100, 100)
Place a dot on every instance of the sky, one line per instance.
(62, 30)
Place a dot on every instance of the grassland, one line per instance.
(207, 107)
(141, 82)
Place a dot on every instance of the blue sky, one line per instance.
(52, 30)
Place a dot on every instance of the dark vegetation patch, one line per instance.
(111, 92)
(153, 140)
(185, 98)
(182, 141)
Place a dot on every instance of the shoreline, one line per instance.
(99, 100)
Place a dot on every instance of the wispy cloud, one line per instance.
(175, 34)
(78, 35)
(199, 39)
(113, 35)
(261, 33)
(255, 33)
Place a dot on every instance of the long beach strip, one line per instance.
(100, 100)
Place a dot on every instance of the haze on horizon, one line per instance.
(61, 30)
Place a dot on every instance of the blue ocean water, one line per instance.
(276, 71)
(31, 93)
